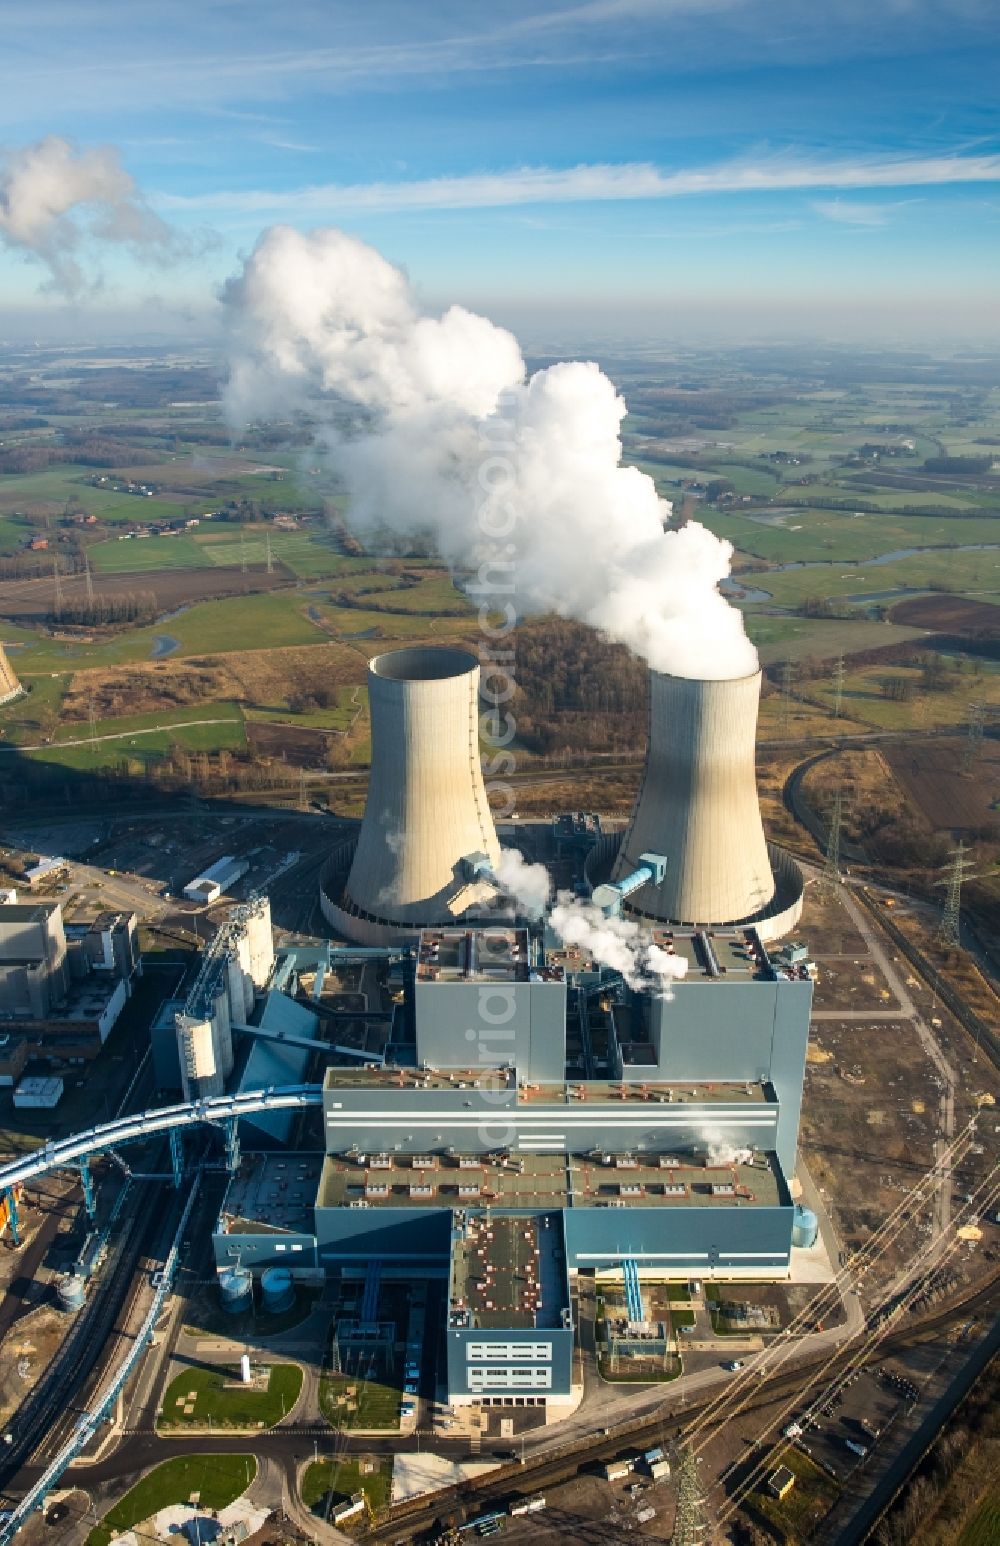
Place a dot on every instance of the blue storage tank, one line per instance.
(235, 1290)
(71, 1292)
(277, 1291)
(805, 1226)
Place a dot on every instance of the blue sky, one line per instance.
(736, 165)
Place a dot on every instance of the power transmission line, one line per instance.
(88, 580)
(786, 696)
(57, 600)
(832, 868)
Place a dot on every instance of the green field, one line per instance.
(965, 574)
(816, 535)
(218, 1400)
(51, 490)
(334, 1481)
(796, 1515)
(138, 555)
(217, 1479)
(983, 1528)
(374, 1404)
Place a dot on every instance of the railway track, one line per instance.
(44, 1419)
(473, 1495)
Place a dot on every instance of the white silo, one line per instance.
(697, 806)
(427, 807)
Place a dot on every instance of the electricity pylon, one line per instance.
(950, 927)
(690, 1524)
(974, 736)
(838, 686)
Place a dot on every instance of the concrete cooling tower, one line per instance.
(427, 807)
(10, 687)
(697, 806)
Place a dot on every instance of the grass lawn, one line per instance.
(39, 492)
(220, 1401)
(798, 1513)
(983, 1528)
(683, 1317)
(138, 556)
(798, 638)
(329, 1482)
(964, 574)
(376, 1405)
(837, 535)
(218, 1479)
(266, 620)
(863, 699)
(678, 1293)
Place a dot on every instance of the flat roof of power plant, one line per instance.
(391, 1077)
(508, 1272)
(539, 1181)
(570, 1092)
(712, 955)
(272, 1194)
(474, 955)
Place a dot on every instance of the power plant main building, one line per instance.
(503, 1110)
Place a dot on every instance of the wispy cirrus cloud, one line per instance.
(859, 213)
(768, 173)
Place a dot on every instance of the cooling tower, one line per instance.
(10, 687)
(427, 808)
(697, 806)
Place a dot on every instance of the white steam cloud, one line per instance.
(54, 198)
(517, 476)
(528, 884)
(615, 942)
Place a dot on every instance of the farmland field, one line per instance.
(950, 799)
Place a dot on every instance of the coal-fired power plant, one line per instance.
(697, 806)
(427, 810)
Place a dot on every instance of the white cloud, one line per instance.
(599, 183)
(853, 212)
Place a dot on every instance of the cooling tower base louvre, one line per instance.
(772, 922)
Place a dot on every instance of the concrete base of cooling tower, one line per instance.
(772, 922)
(351, 922)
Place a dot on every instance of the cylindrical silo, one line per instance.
(805, 1226)
(235, 1290)
(697, 805)
(71, 1291)
(277, 1291)
(427, 806)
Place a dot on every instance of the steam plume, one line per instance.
(528, 884)
(615, 942)
(54, 197)
(450, 435)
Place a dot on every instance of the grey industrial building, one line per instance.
(502, 1110)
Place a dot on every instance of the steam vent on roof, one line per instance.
(427, 807)
(697, 806)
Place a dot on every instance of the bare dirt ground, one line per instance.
(592, 1512)
(31, 601)
(952, 614)
(261, 679)
(932, 777)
